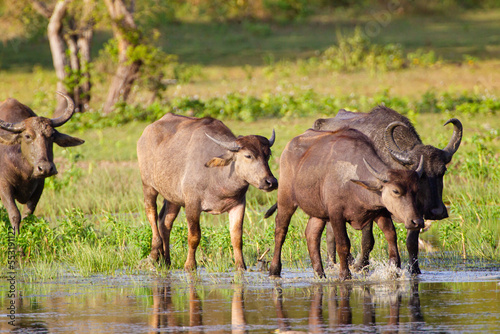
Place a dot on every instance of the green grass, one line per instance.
(235, 57)
(91, 216)
(234, 44)
(109, 233)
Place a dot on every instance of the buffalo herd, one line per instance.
(355, 168)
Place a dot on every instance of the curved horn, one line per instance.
(67, 113)
(456, 138)
(420, 168)
(381, 176)
(272, 139)
(13, 127)
(401, 156)
(230, 145)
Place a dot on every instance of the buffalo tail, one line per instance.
(271, 211)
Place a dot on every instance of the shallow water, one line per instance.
(444, 301)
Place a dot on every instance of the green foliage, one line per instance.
(356, 53)
(481, 162)
(158, 69)
(75, 241)
(185, 73)
(74, 228)
(35, 26)
(75, 78)
(97, 240)
(71, 174)
(286, 10)
(38, 239)
(237, 106)
(257, 29)
(449, 234)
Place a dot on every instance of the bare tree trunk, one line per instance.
(57, 48)
(77, 39)
(127, 72)
(74, 65)
(84, 42)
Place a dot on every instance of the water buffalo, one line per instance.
(26, 154)
(399, 146)
(199, 164)
(320, 174)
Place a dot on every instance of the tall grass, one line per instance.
(95, 223)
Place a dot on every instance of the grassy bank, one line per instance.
(94, 219)
(257, 76)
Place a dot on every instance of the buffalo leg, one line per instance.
(386, 225)
(330, 244)
(236, 216)
(285, 213)
(33, 201)
(7, 197)
(168, 213)
(150, 195)
(314, 229)
(343, 246)
(412, 246)
(194, 235)
(367, 243)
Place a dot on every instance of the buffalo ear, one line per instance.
(318, 123)
(220, 161)
(66, 141)
(370, 185)
(9, 138)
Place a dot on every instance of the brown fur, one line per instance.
(26, 158)
(320, 174)
(429, 198)
(179, 161)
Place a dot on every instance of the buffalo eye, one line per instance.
(396, 192)
(27, 136)
(248, 156)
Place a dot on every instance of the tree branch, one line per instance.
(41, 8)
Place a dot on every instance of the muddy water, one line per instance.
(437, 301)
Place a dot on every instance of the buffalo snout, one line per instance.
(438, 213)
(415, 224)
(44, 169)
(268, 184)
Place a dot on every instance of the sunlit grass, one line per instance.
(109, 232)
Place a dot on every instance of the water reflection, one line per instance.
(337, 315)
(163, 313)
(340, 313)
(238, 322)
(158, 305)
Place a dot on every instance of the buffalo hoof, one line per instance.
(275, 271)
(319, 275)
(345, 275)
(361, 265)
(190, 266)
(156, 255)
(241, 267)
(359, 268)
(414, 270)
